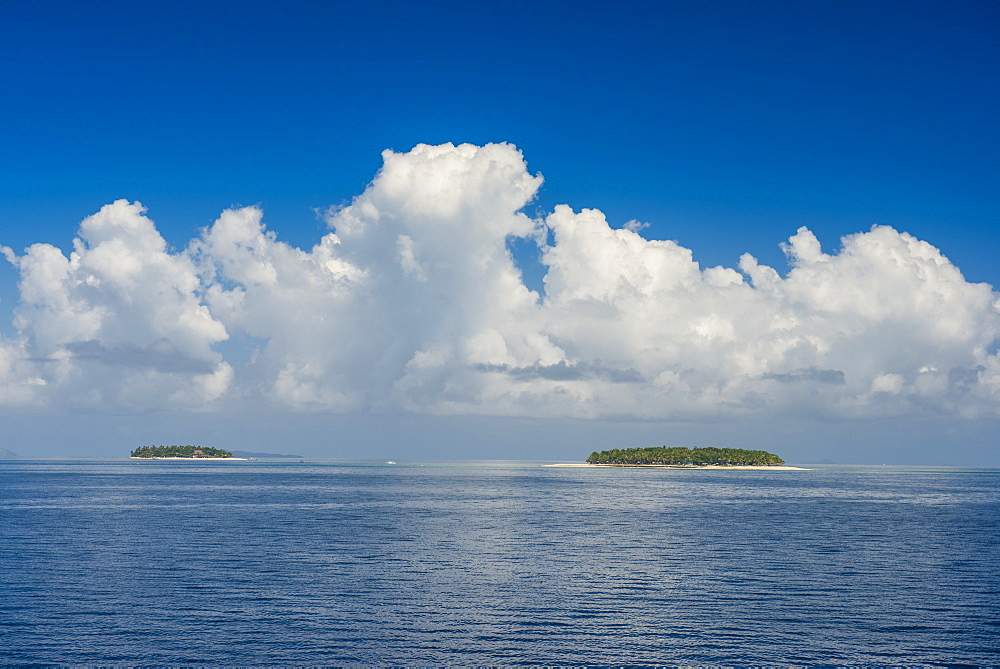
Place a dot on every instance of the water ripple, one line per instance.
(263, 563)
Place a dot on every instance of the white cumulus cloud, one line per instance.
(413, 302)
(119, 324)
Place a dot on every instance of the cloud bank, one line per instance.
(414, 303)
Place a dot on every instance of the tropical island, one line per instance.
(680, 457)
(183, 452)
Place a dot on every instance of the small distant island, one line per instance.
(186, 452)
(681, 456)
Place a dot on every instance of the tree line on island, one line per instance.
(679, 455)
(180, 452)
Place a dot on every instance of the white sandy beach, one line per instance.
(767, 467)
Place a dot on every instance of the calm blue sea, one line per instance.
(325, 562)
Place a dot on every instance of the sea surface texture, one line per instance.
(324, 562)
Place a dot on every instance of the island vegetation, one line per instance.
(180, 452)
(679, 455)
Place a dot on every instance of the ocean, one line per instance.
(494, 563)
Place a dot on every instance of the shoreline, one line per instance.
(741, 467)
(178, 457)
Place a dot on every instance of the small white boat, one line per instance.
(390, 462)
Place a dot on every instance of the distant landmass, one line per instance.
(681, 456)
(7, 455)
(195, 452)
(180, 452)
(254, 454)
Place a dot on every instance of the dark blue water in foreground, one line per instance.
(124, 562)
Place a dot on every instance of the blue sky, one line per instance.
(723, 125)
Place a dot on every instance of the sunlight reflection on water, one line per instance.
(494, 563)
